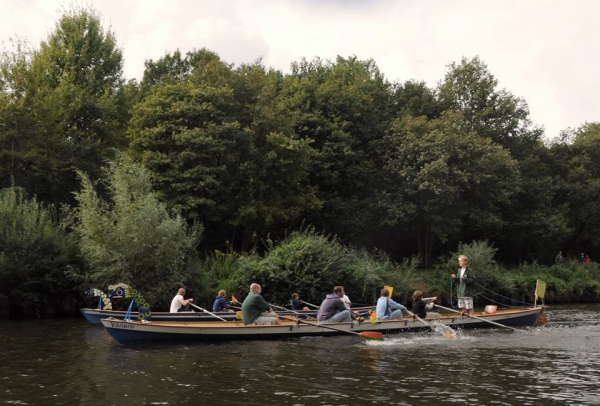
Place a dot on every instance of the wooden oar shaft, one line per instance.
(325, 326)
(287, 310)
(206, 311)
(310, 304)
(478, 318)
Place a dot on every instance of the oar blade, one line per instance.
(451, 336)
(371, 335)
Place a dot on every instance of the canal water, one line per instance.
(70, 362)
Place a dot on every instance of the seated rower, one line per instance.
(221, 304)
(387, 309)
(332, 308)
(179, 304)
(296, 303)
(420, 306)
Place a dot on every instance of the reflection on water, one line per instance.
(70, 362)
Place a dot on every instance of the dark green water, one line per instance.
(70, 362)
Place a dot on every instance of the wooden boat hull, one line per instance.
(134, 331)
(95, 316)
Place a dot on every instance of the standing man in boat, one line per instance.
(332, 308)
(255, 309)
(179, 304)
(466, 280)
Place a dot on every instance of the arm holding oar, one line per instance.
(256, 310)
(478, 318)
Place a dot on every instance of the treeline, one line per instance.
(107, 180)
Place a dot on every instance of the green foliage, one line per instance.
(65, 107)
(134, 238)
(36, 254)
(205, 132)
(308, 262)
(444, 181)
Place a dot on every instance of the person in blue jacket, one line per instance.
(387, 309)
(221, 304)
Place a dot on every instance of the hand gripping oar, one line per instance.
(206, 311)
(478, 318)
(446, 334)
(369, 335)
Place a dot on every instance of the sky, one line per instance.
(543, 51)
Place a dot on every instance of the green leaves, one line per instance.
(133, 238)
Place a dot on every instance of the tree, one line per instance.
(469, 88)
(133, 238)
(215, 154)
(343, 108)
(444, 181)
(66, 109)
(581, 161)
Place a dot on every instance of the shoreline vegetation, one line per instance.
(213, 176)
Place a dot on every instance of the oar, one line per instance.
(478, 318)
(369, 335)
(206, 311)
(310, 304)
(446, 334)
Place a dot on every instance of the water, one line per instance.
(70, 362)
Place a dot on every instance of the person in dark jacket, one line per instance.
(420, 305)
(296, 303)
(332, 308)
(221, 304)
(466, 280)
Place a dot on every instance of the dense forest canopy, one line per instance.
(215, 160)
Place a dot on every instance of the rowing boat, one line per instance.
(126, 332)
(95, 316)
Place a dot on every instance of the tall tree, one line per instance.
(444, 181)
(133, 238)
(579, 152)
(471, 89)
(214, 152)
(67, 103)
(342, 107)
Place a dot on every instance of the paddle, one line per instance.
(206, 311)
(310, 304)
(369, 335)
(478, 318)
(447, 334)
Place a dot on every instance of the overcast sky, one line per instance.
(544, 51)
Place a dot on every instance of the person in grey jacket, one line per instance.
(333, 309)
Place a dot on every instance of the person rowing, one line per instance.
(296, 303)
(221, 304)
(332, 308)
(256, 310)
(387, 309)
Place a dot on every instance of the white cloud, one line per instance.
(540, 50)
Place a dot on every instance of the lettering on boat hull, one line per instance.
(124, 326)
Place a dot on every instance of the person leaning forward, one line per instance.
(179, 304)
(386, 308)
(332, 308)
(255, 309)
